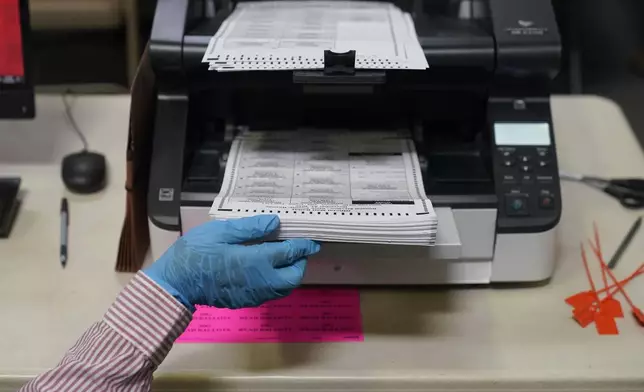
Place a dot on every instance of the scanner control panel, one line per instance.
(526, 177)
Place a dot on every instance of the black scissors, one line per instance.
(629, 191)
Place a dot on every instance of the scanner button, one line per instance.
(527, 179)
(508, 162)
(526, 168)
(546, 202)
(509, 179)
(516, 205)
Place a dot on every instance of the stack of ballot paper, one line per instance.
(363, 187)
(290, 35)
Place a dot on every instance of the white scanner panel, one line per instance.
(463, 254)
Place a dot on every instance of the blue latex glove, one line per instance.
(210, 266)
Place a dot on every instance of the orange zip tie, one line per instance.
(609, 306)
(639, 316)
(584, 298)
(584, 313)
(601, 258)
(588, 275)
(624, 281)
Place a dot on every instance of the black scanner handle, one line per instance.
(339, 69)
(339, 63)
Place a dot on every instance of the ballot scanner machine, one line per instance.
(480, 117)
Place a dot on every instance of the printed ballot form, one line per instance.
(363, 187)
(283, 35)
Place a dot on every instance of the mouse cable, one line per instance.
(72, 121)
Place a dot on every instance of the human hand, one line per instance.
(210, 266)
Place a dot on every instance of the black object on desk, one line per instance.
(625, 243)
(64, 229)
(9, 204)
(83, 172)
(628, 191)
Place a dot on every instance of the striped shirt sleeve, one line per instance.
(121, 352)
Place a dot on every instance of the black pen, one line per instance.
(625, 243)
(64, 225)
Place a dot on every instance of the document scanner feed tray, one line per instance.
(480, 118)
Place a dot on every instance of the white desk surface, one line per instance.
(491, 338)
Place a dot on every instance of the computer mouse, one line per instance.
(84, 172)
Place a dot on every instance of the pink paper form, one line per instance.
(307, 315)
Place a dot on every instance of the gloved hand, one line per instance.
(210, 266)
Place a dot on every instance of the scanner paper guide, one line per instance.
(292, 35)
(361, 187)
